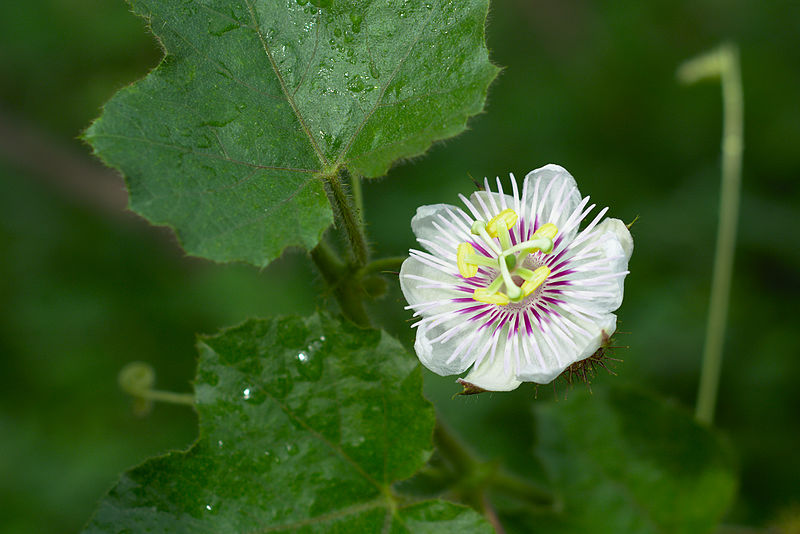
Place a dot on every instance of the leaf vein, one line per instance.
(335, 448)
(287, 94)
(344, 512)
(207, 155)
(223, 67)
(368, 116)
(313, 54)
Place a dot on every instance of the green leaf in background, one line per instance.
(624, 461)
(304, 426)
(227, 140)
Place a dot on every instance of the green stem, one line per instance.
(339, 278)
(475, 477)
(523, 489)
(451, 449)
(345, 211)
(358, 196)
(722, 62)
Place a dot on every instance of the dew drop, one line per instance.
(221, 27)
(302, 357)
(373, 70)
(356, 19)
(220, 444)
(209, 507)
(291, 450)
(204, 141)
(356, 85)
(246, 394)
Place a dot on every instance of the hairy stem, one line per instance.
(358, 196)
(346, 214)
(724, 63)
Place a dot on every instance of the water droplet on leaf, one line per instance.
(356, 85)
(373, 70)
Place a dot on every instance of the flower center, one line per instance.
(509, 261)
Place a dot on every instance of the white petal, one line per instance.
(434, 347)
(414, 289)
(437, 355)
(555, 361)
(552, 196)
(619, 228)
(424, 221)
(494, 373)
(600, 263)
(488, 204)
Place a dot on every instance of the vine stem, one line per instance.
(723, 63)
(476, 477)
(358, 196)
(338, 276)
(346, 213)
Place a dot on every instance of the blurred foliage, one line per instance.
(589, 85)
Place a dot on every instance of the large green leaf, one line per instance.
(624, 461)
(304, 426)
(226, 140)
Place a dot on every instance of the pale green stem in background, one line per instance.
(723, 63)
(168, 397)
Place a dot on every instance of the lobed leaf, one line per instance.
(304, 426)
(255, 100)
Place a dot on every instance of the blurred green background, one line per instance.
(87, 287)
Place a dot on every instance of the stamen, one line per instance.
(508, 216)
(537, 279)
(479, 228)
(511, 288)
(483, 295)
(494, 286)
(548, 230)
(540, 243)
(465, 268)
(501, 229)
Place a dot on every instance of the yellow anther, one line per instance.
(538, 278)
(466, 269)
(484, 295)
(548, 230)
(508, 216)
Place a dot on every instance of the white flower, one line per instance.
(512, 288)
